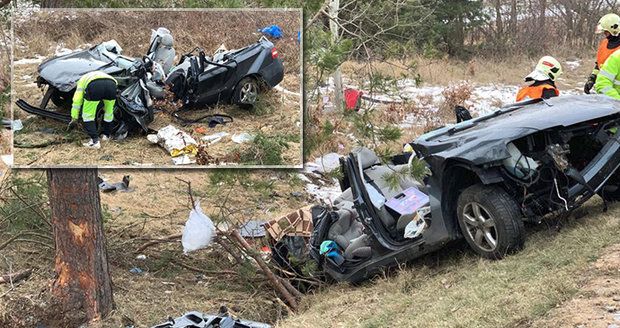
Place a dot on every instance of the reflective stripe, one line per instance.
(76, 106)
(607, 89)
(608, 75)
(80, 89)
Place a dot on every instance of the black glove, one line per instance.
(590, 84)
(72, 124)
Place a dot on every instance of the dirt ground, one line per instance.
(44, 142)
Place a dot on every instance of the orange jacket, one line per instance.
(534, 91)
(604, 53)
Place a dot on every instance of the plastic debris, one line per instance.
(213, 138)
(123, 186)
(273, 31)
(242, 138)
(175, 141)
(141, 257)
(182, 160)
(201, 320)
(136, 270)
(253, 229)
(198, 232)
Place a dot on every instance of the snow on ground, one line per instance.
(24, 10)
(27, 61)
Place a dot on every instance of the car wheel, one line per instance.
(62, 100)
(247, 91)
(491, 221)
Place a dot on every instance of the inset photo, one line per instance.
(158, 88)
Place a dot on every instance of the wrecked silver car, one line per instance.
(487, 176)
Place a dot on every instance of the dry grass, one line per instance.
(455, 288)
(46, 31)
(510, 70)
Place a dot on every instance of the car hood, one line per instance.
(484, 139)
(63, 72)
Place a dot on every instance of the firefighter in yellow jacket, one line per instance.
(542, 80)
(608, 79)
(610, 26)
(92, 89)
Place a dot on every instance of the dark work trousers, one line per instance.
(100, 92)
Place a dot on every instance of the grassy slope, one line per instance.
(456, 289)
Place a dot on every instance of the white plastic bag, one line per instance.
(198, 232)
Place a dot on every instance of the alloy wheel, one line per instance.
(249, 93)
(480, 225)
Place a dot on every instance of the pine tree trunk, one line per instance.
(82, 285)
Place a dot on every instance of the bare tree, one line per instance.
(82, 285)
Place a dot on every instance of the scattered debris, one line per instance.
(273, 31)
(298, 223)
(198, 232)
(14, 125)
(203, 157)
(213, 138)
(136, 270)
(122, 186)
(253, 229)
(177, 142)
(200, 320)
(242, 138)
(141, 257)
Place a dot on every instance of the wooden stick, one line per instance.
(273, 279)
(158, 241)
(15, 277)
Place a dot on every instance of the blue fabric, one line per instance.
(273, 31)
(328, 246)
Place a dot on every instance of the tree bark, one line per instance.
(82, 283)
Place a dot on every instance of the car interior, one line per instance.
(348, 231)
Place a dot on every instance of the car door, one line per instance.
(213, 81)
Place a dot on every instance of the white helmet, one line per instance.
(609, 23)
(548, 68)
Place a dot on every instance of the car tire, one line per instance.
(246, 92)
(490, 221)
(62, 100)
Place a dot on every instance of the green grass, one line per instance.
(455, 288)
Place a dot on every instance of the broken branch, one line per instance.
(158, 241)
(15, 277)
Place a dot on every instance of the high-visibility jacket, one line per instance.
(82, 83)
(537, 91)
(608, 79)
(605, 49)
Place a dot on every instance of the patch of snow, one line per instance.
(27, 61)
(325, 193)
(573, 64)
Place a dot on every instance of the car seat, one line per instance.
(348, 233)
(164, 52)
(376, 175)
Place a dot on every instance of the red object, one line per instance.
(274, 53)
(352, 99)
